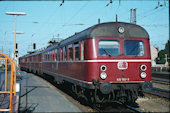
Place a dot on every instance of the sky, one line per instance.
(45, 20)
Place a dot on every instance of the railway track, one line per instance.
(159, 92)
(117, 106)
(167, 82)
(131, 108)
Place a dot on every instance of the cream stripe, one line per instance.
(131, 60)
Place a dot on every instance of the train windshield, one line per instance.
(134, 48)
(109, 48)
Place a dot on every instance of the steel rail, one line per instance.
(161, 81)
(159, 94)
(162, 90)
(130, 107)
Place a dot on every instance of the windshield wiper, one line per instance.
(106, 52)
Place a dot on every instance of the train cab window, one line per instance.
(134, 48)
(70, 48)
(109, 48)
(77, 51)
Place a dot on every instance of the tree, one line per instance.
(167, 48)
(161, 54)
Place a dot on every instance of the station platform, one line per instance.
(37, 95)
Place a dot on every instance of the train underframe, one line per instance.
(107, 92)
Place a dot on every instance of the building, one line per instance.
(154, 55)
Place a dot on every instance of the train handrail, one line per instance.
(12, 82)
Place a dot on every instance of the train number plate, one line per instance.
(122, 79)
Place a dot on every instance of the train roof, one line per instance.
(110, 29)
(32, 54)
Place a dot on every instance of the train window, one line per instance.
(65, 53)
(45, 56)
(109, 48)
(59, 54)
(53, 55)
(70, 48)
(48, 56)
(82, 50)
(77, 51)
(134, 48)
(56, 55)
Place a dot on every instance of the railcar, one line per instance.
(105, 63)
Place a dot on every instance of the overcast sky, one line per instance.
(47, 19)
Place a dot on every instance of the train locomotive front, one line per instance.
(119, 62)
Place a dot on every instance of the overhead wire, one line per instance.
(71, 18)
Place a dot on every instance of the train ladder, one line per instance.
(12, 91)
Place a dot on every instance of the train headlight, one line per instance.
(103, 75)
(103, 68)
(143, 75)
(143, 67)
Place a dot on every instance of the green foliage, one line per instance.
(167, 48)
(161, 54)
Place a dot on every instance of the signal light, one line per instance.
(143, 67)
(34, 46)
(103, 68)
(16, 46)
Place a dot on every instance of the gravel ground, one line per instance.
(161, 86)
(153, 104)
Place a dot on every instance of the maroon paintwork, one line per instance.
(89, 68)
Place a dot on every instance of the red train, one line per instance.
(104, 63)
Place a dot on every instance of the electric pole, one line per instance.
(133, 16)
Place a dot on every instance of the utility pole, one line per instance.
(98, 20)
(133, 16)
(2, 49)
(9, 53)
(15, 14)
(130, 15)
(116, 18)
